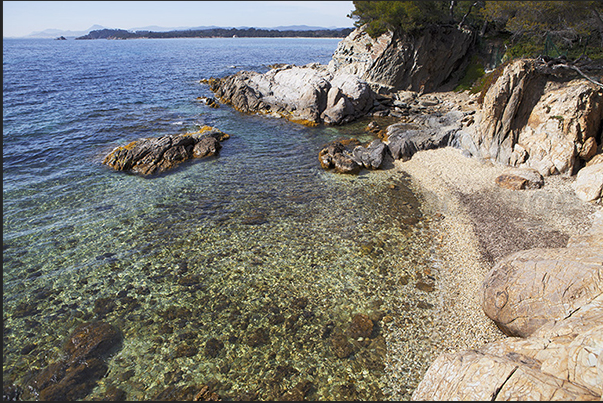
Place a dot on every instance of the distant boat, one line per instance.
(61, 38)
(234, 36)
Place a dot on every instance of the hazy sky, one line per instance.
(20, 18)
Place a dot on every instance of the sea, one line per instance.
(242, 272)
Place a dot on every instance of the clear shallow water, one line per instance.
(258, 239)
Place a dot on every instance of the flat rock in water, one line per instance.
(156, 155)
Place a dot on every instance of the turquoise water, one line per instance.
(256, 241)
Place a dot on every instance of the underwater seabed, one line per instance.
(272, 277)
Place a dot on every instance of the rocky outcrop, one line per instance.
(350, 156)
(425, 133)
(361, 71)
(308, 94)
(553, 300)
(533, 118)
(416, 62)
(156, 155)
(530, 288)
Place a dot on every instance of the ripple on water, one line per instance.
(272, 279)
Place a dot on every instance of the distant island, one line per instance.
(218, 33)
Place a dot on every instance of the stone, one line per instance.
(589, 183)
(338, 156)
(427, 132)
(369, 157)
(93, 339)
(206, 146)
(308, 94)
(597, 159)
(588, 149)
(550, 116)
(78, 381)
(340, 346)
(529, 288)
(519, 179)
(475, 376)
(360, 326)
(74, 377)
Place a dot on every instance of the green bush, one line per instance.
(473, 72)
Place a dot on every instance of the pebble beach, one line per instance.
(474, 224)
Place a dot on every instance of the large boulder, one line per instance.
(415, 62)
(558, 362)
(553, 300)
(155, 155)
(530, 288)
(589, 183)
(427, 132)
(308, 94)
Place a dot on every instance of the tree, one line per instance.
(567, 23)
(410, 16)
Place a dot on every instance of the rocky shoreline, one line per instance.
(508, 213)
(514, 176)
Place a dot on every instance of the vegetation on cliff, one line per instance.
(527, 28)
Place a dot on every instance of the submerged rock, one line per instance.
(74, 377)
(156, 155)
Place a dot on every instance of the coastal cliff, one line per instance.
(393, 62)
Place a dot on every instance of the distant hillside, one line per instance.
(53, 33)
(219, 33)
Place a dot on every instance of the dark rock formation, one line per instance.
(156, 155)
(427, 132)
(337, 155)
(74, 377)
(350, 156)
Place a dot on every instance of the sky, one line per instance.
(21, 18)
